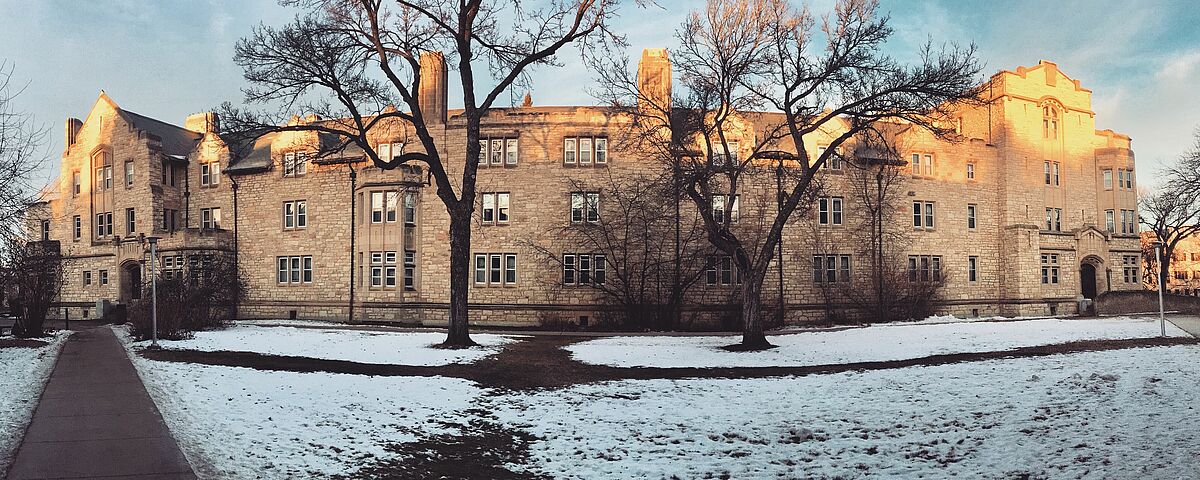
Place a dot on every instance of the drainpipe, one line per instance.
(236, 266)
(353, 229)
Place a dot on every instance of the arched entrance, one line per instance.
(1087, 280)
(131, 281)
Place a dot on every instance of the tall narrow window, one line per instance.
(410, 208)
(1046, 171)
(130, 221)
(916, 164)
(1108, 179)
(487, 210)
(502, 207)
(970, 171)
(1057, 178)
(128, 174)
(45, 230)
(972, 266)
(601, 151)
(410, 270)
(76, 186)
(1049, 121)
(1109, 222)
(510, 151)
(480, 269)
(77, 225)
(971, 210)
(392, 203)
(376, 207)
(497, 153)
(585, 151)
(569, 151)
(301, 214)
(568, 269)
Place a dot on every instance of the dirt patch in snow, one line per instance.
(22, 343)
(541, 362)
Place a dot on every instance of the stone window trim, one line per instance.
(720, 270)
(495, 208)
(830, 210)
(718, 202)
(1129, 269)
(295, 215)
(295, 164)
(924, 215)
(499, 151)
(971, 171)
(497, 269)
(972, 269)
(210, 174)
(585, 207)
(925, 269)
(922, 164)
(832, 268)
(294, 270)
(1050, 269)
(384, 270)
(584, 269)
(972, 216)
(585, 150)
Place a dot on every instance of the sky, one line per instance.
(170, 59)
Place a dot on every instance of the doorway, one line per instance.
(131, 282)
(1087, 279)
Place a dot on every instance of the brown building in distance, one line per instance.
(1031, 212)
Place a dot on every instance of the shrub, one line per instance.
(203, 298)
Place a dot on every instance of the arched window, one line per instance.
(1049, 121)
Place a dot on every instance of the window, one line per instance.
(1128, 222)
(601, 150)
(410, 270)
(210, 218)
(1055, 168)
(1049, 121)
(130, 220)
(972, 269)
(494, 208)
(294, 270)
(87, 278)
(168, 219)
(719, 208)
(1050, 268)
(719, 270)
(585, 150)
(1108, 179)
(971, 210)
(727, 154)
(510, 151)
(166, 168)
(383, 269)
(584, 269)
(128, 174)
(923, 215)
(1124, 180)
(77, 223)
(1109, 222)
(104, 277)
(585, 206)
(45, 230)
(831, 268)
(1051, 172)
(295, 214)
(922, 164)
(103, 178)
(210, 174)
(1054, 219)
(925, 268)
(77, 187)
(410, 208)
(376, 207)
(970, 171)
(495, 269)
(104, 225)
(570, 151)
(834, 162)
(295, 164)
(829, 210)
(391, 202)
(1129, 268)
(388, 151)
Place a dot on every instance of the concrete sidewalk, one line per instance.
(95, 419)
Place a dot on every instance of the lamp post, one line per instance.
(1162, 321)
(153, 293)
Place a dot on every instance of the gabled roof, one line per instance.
(176, 140)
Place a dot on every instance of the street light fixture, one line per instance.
(153, 293)
(1162, 321)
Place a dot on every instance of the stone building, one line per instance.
(1184, 276)
(1032, 211)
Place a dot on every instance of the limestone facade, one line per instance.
(1033, 210)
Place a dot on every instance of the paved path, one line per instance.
(96, 420)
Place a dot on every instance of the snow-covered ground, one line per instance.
(23, 374)
(398, 348)
(1112, 414)
(874, 343)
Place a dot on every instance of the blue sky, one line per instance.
(169, 59)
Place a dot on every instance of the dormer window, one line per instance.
(295, 164)
(1049, 121)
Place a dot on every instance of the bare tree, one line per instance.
(199, 297)
(34, 272)
(631, 238)
(351, 60)
(737, 56)
(20, 140)
(1173, 215)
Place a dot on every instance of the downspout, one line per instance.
(353, 229)
(237, 266)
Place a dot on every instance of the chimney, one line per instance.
(432, 94)
(654, 79)
(72, 130)
(202, 123)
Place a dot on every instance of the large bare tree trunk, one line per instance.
(457, 334)
(752, 328)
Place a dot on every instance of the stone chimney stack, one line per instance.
(72, 131)
(654, 79)
(203, 123)
(432, 94)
